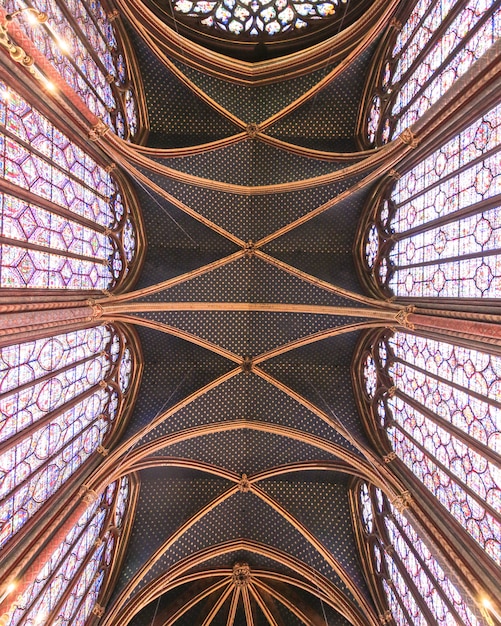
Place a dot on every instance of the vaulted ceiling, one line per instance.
(246, 432)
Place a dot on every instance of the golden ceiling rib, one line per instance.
(125, 450)
(263, 606)
(384, 475)
(371, 470)
(322, 155)
(291, 606)
(247, 605)
(218, 605)
(387, 156)
(233, 607)
(176, 332)
(324, 589)
(154, 30)
(201, 148)
(320, 336)
(129, 588)
(167, 461)
(198, 598)
(142, 178)
(177, 280)
(112, 309)
(328, 557)
(323, 284)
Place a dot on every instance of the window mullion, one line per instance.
(473, 209)
(450, 383)
(442, 66)
(442, 27)
(468, 440)
(428, 572)
(485, 505)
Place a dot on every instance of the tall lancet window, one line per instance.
(437, 43)
(437, 406)
(61, 399)
(417, 590)
(435, 233)
(64, 223)
(79, 39)
(69, 587)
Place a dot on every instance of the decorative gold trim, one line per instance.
(403, 501)
(388, 458)
(409, 138)
(98, 610)
(98, 130)
(87, 494)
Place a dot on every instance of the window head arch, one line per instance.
(62, 399)
(434, 232)
(66, 222)
(428, 47)
(408, 579)
(81, 42)
(72, 583)
(435, 405)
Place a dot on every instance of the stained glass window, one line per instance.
(439, 405)
(438, 42)
(406, 569)
(255, 17)
(443, 236)
(68, 587)
(79, 40)
(63, 223)
(59, 398)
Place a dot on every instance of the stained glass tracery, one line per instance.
(255, 17)
(438, 404)
(63, 223)
(406, 569)
(58, 400)
(442, 236)
(60, 594)
(78, 38)
(438, 42)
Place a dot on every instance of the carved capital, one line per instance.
(396, 24)
(109, 168)
(409, 138)
(103, 384)
(102, 450)
(98, 610)
(403, 501)
(87, 494)
(253, 130)
(112, 16)
(98, 542)
(402, 318)
(98, 130)
(390, 457)
(109, 78)
(241, 574)
(391, 391)
(244, 484)
(386, 617)
(395, 175)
